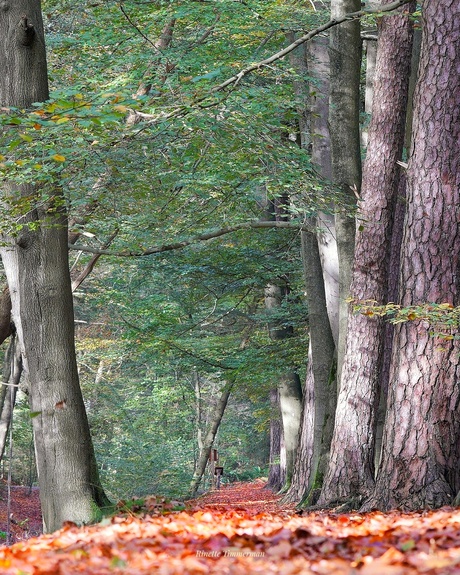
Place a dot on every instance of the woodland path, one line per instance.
(241, 529)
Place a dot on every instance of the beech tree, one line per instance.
(35, 259)
(351, 467)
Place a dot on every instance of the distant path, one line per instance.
(251, 496)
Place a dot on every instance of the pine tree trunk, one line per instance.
(421, 445)
(351, 466)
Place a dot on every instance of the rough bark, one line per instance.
(345, 62)
(421, 446)
(208, 442)
(351, 466)
(36, 266)
(393, 296)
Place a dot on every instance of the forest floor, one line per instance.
(240, 529)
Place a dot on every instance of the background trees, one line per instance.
(158, 144)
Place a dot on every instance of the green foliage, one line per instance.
(160, 167)
(23, 469)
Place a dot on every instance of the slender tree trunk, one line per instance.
(208, 442)
(345, 62)
(36, 265)
(289, 387)
(319, 70)
(371, 57)
(275, 476)
(12, 370)
(319, 382)
(5, 315)
(290, 394)
(421, 445)
(351, 467)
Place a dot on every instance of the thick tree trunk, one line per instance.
(421, 445)
(36, 265)
(208, 442)
(351, 467)
(345, 62)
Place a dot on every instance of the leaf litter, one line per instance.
(244, 529)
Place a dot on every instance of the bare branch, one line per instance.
(205, 34)
(196, 239)
(90, 265)
(334, 22)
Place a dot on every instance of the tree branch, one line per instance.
(236, 79)
(334, 22)
(196, 239)
(90, 265)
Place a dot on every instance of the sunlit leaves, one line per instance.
(439, 318)
(242, 529)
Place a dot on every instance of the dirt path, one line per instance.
(252, 497)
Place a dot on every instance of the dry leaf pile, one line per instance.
(242, 530)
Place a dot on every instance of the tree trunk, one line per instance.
(351, 467)
(36, 265)
(290, 390)
(318, 382)
(319, 70)
(275, 477)
(319, 254)
(12, 370)
(421, 445)
(290, 393)
(345, 62)
(208, 442)
(5, 315)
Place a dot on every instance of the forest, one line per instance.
(230, 226)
